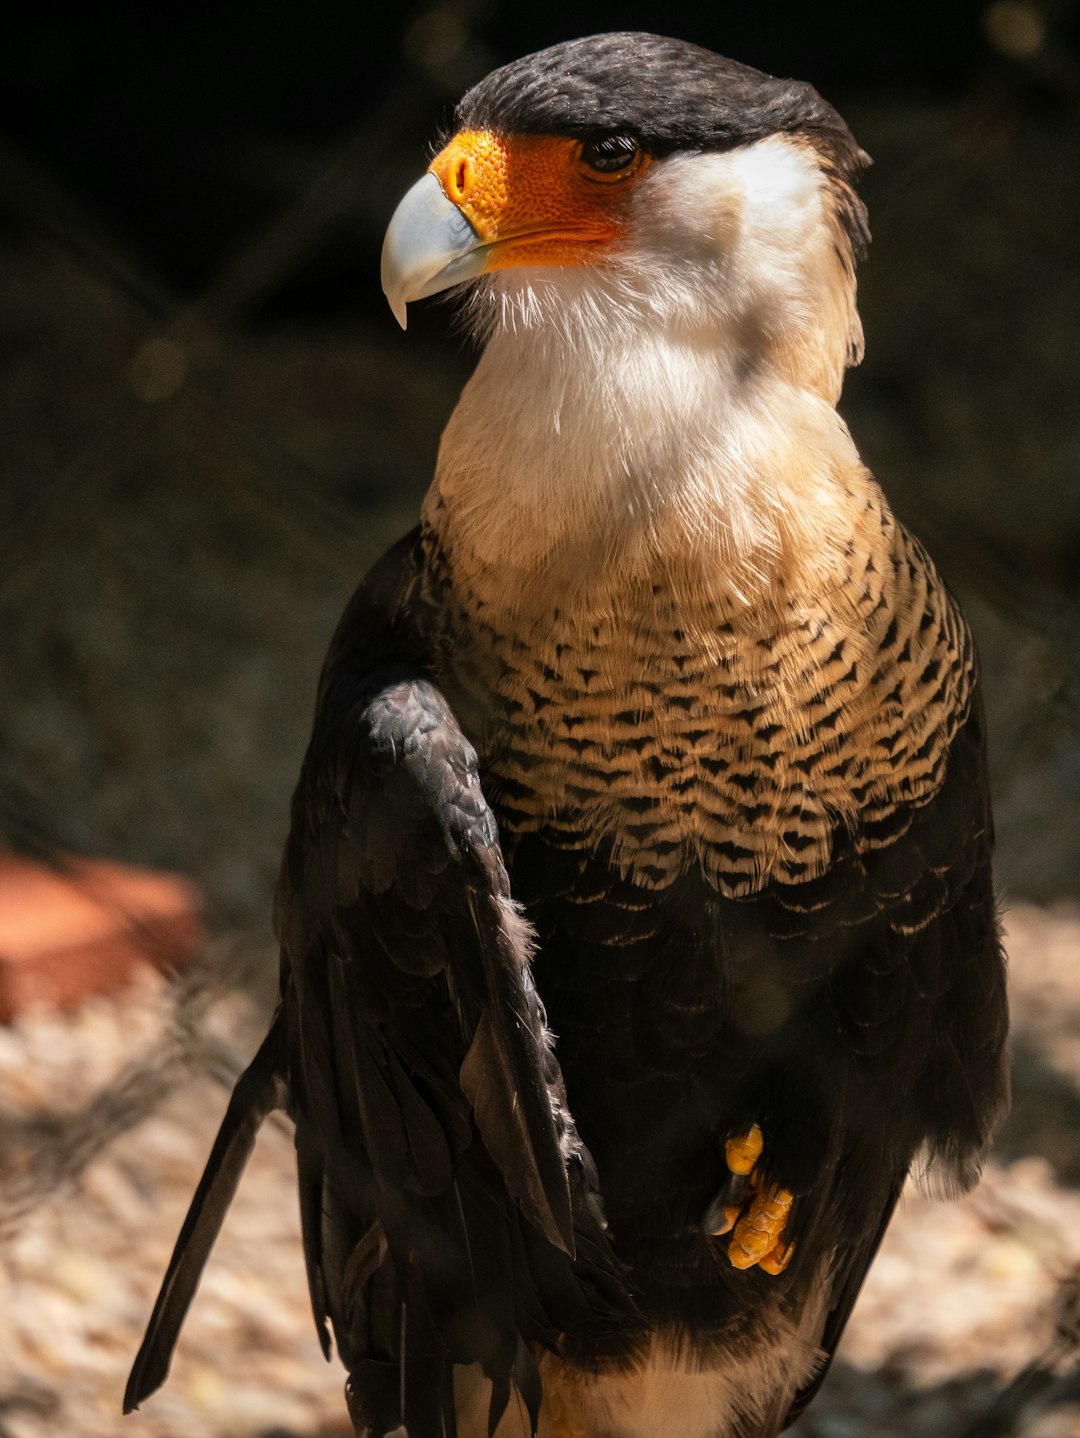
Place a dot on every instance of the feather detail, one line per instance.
(503, 1077)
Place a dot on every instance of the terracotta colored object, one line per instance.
(85, 926)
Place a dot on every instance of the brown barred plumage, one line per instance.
(714, 736)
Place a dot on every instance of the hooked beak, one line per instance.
(429, 247)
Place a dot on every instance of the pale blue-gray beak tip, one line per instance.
(429, 246)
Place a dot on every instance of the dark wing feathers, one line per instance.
(432, 902)
(309, 1169)
(420, 1062)
(515, 1089)
(443, 1188)
(919, 1000)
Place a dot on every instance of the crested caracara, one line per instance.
(636, 919)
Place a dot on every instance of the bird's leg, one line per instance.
(758, 1215)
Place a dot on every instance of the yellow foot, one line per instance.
(759, 1231)
(757, 1215)
(743, 1153)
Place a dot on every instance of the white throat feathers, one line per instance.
(672, 408)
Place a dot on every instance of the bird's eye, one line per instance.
(610, 154)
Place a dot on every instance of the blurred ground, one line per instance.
(185, 504)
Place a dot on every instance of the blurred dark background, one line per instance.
(210, 425)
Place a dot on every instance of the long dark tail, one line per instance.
(259, 1090)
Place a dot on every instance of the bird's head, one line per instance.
(626, 178)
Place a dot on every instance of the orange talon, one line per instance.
(758, 1232)
(743, 1153)
(758, 1220)
(776, 1261)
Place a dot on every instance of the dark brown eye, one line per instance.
(610, 153)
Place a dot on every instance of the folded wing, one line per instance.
(449, 1211)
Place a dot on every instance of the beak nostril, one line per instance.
(462, 175)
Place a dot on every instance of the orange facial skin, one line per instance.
(533, 198)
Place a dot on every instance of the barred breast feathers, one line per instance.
(740, 741)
